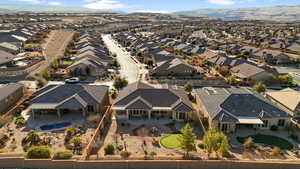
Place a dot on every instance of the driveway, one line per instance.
(130, 69)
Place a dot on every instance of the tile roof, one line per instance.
(228, 104)
(141, 95)
(68, 96)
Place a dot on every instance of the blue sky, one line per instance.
(157, 5)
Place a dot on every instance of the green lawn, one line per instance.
(170, 141)
(269, 140)
(32, 45)
(68, 62)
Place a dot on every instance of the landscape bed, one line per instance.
(268, 140)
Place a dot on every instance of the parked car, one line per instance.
(72, 80)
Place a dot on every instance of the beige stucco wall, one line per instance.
(131, 164)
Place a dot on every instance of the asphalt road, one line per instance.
(130, 69)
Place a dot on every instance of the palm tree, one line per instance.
(33, 138)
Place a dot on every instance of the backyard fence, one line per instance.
(15, 162)
(98, 133)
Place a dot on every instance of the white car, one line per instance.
(72, 80)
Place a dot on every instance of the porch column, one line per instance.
(174, 114)
(84, 112)
(58, 113)
(33, 114)
(127, 114)
(149, 114)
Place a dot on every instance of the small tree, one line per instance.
(216, 142)
(259, 87)
(187, 139)
(120, 83)
(188, 87)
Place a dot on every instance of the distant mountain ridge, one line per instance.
(276, 13)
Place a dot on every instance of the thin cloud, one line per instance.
(104, 4)
(55, 3)
(222, 2)
(31, 1)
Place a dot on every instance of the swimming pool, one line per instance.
(55, 126)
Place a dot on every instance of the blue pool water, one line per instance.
(55, 126)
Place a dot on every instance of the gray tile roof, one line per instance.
(226, 104)
(140, 95)
(8, 89)
(6, 57)
(69, 96)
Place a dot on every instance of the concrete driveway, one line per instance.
(130, 69)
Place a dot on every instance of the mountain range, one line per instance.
(276, 13)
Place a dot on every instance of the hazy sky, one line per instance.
(157, 5)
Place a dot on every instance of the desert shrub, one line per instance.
(3, 139)
(248, 143)
(125, 154)
(276, 152)
(63, 155)
(259, 87)
(70, 131)
(39, 152)
(109, 149)
(20, 121)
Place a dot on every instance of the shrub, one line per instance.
(125, 154)
(39, 152)
(276, 151)
(20, 121)
(70, 131)
(259, 87)
(3, 139)
(249, 143)
(63, 155)
(109, 149)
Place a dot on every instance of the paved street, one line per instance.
(129, 68)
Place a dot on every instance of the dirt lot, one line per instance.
(54, 47)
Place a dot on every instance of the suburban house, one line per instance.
(141, 101)
(87, 66)
(10, 94)
(228, 109)
(174, 67)
(6, 59)
(247, 71)
(288, 99)
(63, 99)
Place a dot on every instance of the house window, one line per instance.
(266, 123)
(181, 115)
(281, 123)
(90, 108)
(224, 127)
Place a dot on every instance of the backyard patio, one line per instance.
(144, 137)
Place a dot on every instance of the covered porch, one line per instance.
(156, 114)
(59, 111)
